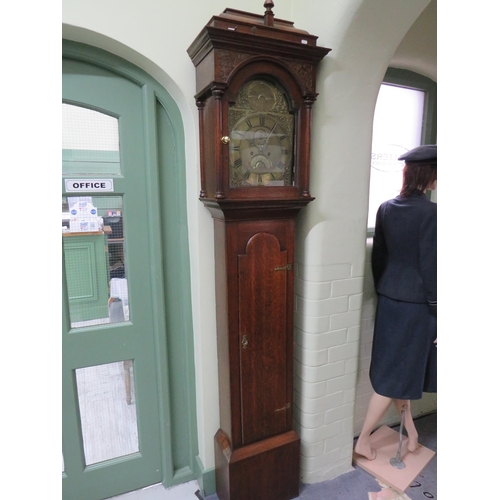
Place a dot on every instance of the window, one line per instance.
(405, 117)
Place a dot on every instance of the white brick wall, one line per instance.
(334, 318)
(327, 304)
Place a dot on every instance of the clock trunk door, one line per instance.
(262, 279)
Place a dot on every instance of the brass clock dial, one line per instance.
(261, 137)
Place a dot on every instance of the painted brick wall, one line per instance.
(327, 303)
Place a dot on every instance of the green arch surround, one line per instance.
(165, 157)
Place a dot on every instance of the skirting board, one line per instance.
(386, 442)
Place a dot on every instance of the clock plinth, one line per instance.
(255, 84)
(267, 470)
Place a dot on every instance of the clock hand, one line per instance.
(269, 135)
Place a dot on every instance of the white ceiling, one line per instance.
(418, 49)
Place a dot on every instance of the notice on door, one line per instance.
(89, 185)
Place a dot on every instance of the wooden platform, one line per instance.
(386, 441)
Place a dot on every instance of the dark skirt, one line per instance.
(404, 356)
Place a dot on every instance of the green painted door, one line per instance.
(111, 424)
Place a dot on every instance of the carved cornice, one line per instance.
(228, 61)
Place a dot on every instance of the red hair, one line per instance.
(417, 177)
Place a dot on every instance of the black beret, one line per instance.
(421, 154)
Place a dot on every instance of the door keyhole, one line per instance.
(244, 342)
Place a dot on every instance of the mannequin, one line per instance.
(404, 271)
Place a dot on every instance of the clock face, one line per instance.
(261, 137)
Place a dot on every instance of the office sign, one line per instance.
(89, 185)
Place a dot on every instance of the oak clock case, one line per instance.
(255, 87)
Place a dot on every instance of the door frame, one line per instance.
(166, 183)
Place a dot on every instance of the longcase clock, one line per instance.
(255, 88)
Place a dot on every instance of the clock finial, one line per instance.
(269, 15)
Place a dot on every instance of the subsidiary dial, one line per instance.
(261, 96)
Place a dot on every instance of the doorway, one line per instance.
(126, 344)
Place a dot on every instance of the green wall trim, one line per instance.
(164, 137)
(205, 478)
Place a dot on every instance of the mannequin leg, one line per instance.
(377, 408)
(409, 424)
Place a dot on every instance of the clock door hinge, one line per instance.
(288, 267)
(286, 407)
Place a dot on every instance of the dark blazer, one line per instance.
(404, 255)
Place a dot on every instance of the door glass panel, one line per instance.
(93, 244)
(90, 142)
(106, 397)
